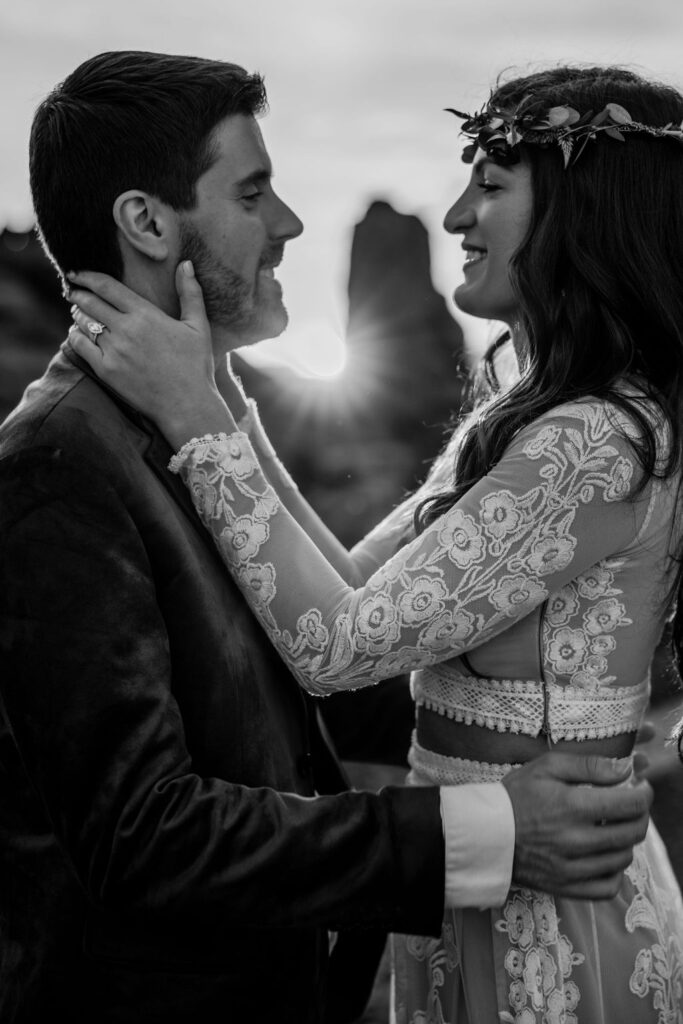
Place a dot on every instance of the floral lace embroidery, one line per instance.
(658, 969)
(579, 639)
(539, 961)
(486, 563)
(441, 957)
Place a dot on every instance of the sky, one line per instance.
(356, 89)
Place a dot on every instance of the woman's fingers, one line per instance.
(111, 291)
(86, 348)
(87, 323)
(101, 299)
(159, 364)
(192, 308)
(93, 308)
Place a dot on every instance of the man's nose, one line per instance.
(287, 225)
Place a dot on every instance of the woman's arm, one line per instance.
(245, 412)
(194, 397)
(553, 507)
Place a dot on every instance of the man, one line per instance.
(166, 853)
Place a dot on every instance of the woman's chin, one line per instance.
(474, 301)
(469, 303)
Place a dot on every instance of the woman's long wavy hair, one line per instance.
(599, 277)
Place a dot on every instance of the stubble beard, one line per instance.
(230, 301)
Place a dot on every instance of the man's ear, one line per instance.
(145, 223)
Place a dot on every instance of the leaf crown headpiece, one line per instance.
(499, 132)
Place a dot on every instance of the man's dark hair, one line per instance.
(124, 120)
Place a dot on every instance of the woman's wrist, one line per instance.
(230, 388)
(212, 416)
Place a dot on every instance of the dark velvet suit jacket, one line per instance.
(161, 856)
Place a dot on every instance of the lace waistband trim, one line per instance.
(524, 706)
(429, 768)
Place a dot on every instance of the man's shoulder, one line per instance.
(67, 409)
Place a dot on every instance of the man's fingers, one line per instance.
(582, 844)
(625, 803)
(577, 819)
(107, 288)
(601, 887)
(588, 769)
(192, 308)
(600, 865)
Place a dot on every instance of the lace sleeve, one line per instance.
(555, 504)
(356, 565)
(397, 528)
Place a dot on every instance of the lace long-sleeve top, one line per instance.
(548, 569)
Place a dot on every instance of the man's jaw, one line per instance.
(268, 320)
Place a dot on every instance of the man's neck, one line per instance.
(223, 341)
(161, 292)
(155, 289)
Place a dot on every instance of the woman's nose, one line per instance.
(460, 217)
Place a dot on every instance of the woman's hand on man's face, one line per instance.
(161, 366)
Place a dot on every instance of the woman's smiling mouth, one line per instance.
(473, 255)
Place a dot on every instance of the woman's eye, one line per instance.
(488, 186)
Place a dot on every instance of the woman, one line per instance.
(542, 565)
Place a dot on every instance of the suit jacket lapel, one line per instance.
(153, 445)
(157, 454)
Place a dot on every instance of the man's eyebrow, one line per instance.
(258, 177)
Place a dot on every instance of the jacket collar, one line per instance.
(153, 446)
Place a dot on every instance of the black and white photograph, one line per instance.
(341, 512)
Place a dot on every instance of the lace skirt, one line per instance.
(546, 960)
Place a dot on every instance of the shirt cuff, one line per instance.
(479, 830)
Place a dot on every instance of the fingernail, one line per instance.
(71, 274)
(73, 309)
(188, 269)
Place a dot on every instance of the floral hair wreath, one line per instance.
(498, 132)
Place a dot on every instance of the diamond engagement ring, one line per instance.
(95, 328)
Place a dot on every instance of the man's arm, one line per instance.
(563, 823)
(85, 674)
(86, 683)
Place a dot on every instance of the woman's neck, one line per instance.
(520, 341)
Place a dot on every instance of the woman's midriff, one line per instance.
(443, 735)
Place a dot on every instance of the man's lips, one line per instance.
(271, 259)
